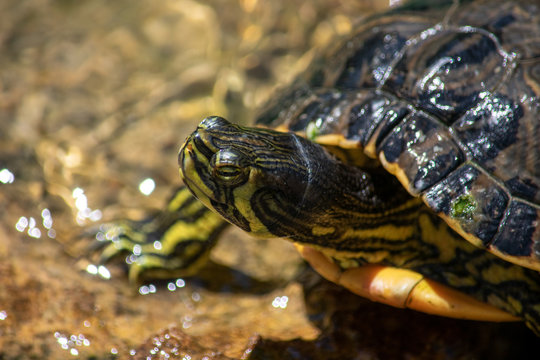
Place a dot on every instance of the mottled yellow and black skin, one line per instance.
(447, 98)
(429, 121)
(174, 242)
(307, 195)
(259, 179)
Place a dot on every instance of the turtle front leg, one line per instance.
(174, 242)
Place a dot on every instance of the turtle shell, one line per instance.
(447, 98)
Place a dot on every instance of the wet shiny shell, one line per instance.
(447, 98)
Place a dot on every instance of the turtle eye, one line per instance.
(228, 167)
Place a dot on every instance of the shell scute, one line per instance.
(519, 234)
(490, 202)
(373, 118)
(444, 71)
(453, 93)
(514, 23)
(366, 59)
(420, 151)
(489, 127)
(503, 132)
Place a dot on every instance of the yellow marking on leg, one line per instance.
(179, 199)
(199, 230)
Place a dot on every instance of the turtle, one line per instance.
(404, 164)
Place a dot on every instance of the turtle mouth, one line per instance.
(191, 172)
(196, 190)
(194, 182)
(193, 164)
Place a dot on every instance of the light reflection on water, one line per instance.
(6, 176)
(100, 270)
(179, 283)
(280, 302)
(70, 343)
(147, 186)
(31, 226)
(147, 289)
(83, 211)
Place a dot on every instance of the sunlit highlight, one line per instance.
(31, 226)
(187, 321)
(83, 211)
(72, 342)
(147, 289)
(21, 224)
(147, 186)
(280, 302)
(196, 296)
(6, 176)
(100, 270)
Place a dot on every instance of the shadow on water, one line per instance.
(223, 279)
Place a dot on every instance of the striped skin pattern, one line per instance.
(173, 242)
(429, 118)
(446, 98)
(284, 170)
(309, 196)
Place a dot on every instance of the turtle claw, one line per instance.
(136, 242)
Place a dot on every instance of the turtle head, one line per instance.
(277, 184)
(255, 178)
